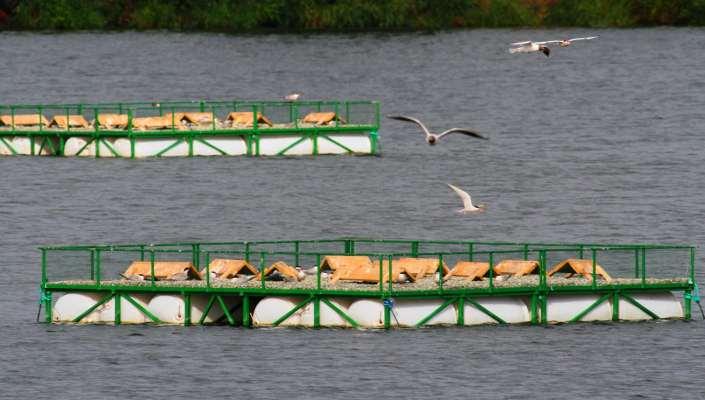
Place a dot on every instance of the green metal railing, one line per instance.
(287, 119)
(308, 252)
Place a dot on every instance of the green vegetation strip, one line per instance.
(349, 15)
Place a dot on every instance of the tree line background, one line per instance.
(346, 15)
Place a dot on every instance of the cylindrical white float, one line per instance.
(71, 305)
(273, 145)
(563, 308)
(4, 149)
(512, 310)
(43, 146)
(86, 147)
(170, 308)
(665, 305)
(369, 313)
(129, 314)
(358, 143)
(327, 316)
(171, 147)
(209, 146)
(270, 309)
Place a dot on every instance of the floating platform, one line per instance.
(191, 128)
(365, 283)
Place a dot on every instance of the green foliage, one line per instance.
(58, 15)
(349, 15)
(596, 13)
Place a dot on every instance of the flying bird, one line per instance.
(292, 96)
(568, 42)
(468, 207)
(432, 138)
(530, 47)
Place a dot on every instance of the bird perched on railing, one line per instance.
(530, 47)
(432, 138)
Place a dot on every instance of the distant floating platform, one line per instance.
(191, 128)
(366, 283)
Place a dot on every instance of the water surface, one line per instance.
(601, 142)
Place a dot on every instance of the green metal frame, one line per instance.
(369, 125)
(537, 295)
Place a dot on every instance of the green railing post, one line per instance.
(580, 252)
(387, 304)
(390, 278)
(117, 300)
(255, 120)
(96, 117)
(129, 131)
(636, 263)
(318, 271)
(415, 248)
(440, 271)
(381, 274)
(643, 266)
(526, 252)
(246, 311)
(615, 305)
(691, 272)
(543, 298)
(247, 251)
(491, 269)
(44, 267)
(594, 267)
(297, 260)
(97, 266)
(187, 308)
(296, 115)
(316, 312)
(336, 111)
(461, 311)
(471, 251)
(542, 271)
(262, 267)
(173, 120)
(151, 266)
(46, 297)
(141, 252)
(196, 255)
(41, 125)
(92, 267)
(314, 138)
(208, 269)
(378, 116)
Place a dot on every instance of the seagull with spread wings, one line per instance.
(530, 47)
(432, 138)
(468, 207)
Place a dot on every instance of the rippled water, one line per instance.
(601, 142)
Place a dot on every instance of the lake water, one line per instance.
(600, 142)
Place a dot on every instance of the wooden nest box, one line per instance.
(579, 266)
(163, 270)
